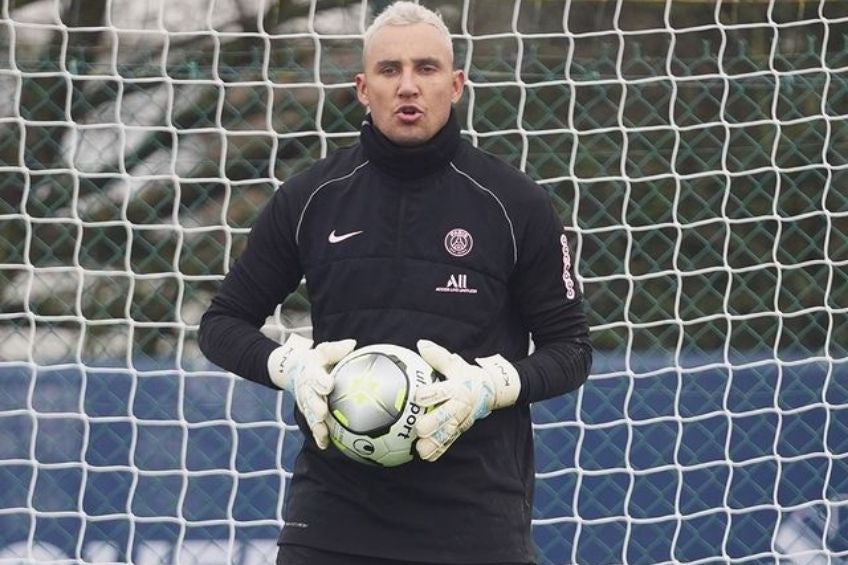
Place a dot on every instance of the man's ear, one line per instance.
(361, 89)
(458, 85)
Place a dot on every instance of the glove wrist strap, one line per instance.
(282, 359)
(505, 379)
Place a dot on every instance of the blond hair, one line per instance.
(407, 13)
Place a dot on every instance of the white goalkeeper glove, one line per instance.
(304, 372)
(468, 393)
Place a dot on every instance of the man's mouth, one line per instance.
(409, 114)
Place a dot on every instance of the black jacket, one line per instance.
(442, 242)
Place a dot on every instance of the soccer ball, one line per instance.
(372, 413)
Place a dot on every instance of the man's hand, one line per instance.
(468, 393)
(304, 372)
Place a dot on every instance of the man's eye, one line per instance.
(388, 71)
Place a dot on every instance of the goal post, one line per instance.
(696, 151)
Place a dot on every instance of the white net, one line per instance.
(697, 152)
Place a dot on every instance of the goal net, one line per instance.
(697, 152)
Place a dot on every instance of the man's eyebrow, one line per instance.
(387, 63)
(418, 62)
(428, 61)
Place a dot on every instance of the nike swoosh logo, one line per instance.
(333, 238)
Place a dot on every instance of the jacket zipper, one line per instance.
(399, 244)
(401, 231)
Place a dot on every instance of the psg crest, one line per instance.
(459, 242)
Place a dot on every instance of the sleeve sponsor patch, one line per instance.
(567, 279)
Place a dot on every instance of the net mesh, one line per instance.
(696, 151)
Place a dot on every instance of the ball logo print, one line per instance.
(364, 447)
(459, 242)
(372, 412)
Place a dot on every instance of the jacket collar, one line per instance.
(409, 163)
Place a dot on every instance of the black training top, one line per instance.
(441, 242)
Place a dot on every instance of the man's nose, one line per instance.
(408, 85)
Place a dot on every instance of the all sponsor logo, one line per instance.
(457, 283)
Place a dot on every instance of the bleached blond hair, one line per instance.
(407, 13)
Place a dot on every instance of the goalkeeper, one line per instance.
(413, 237)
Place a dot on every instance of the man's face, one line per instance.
(409, 84)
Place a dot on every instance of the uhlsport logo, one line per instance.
(458, 242)
(363, 446)
(457, 283)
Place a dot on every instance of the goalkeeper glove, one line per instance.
(304, 372)
(468, 393)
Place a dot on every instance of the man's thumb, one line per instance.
(435, 355)
(332, 352)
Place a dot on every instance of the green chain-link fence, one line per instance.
(716, 168)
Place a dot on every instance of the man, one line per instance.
(411, 237)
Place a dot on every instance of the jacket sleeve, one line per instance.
(267, 271)
(551, 305)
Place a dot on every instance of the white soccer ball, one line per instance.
(372, 412)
